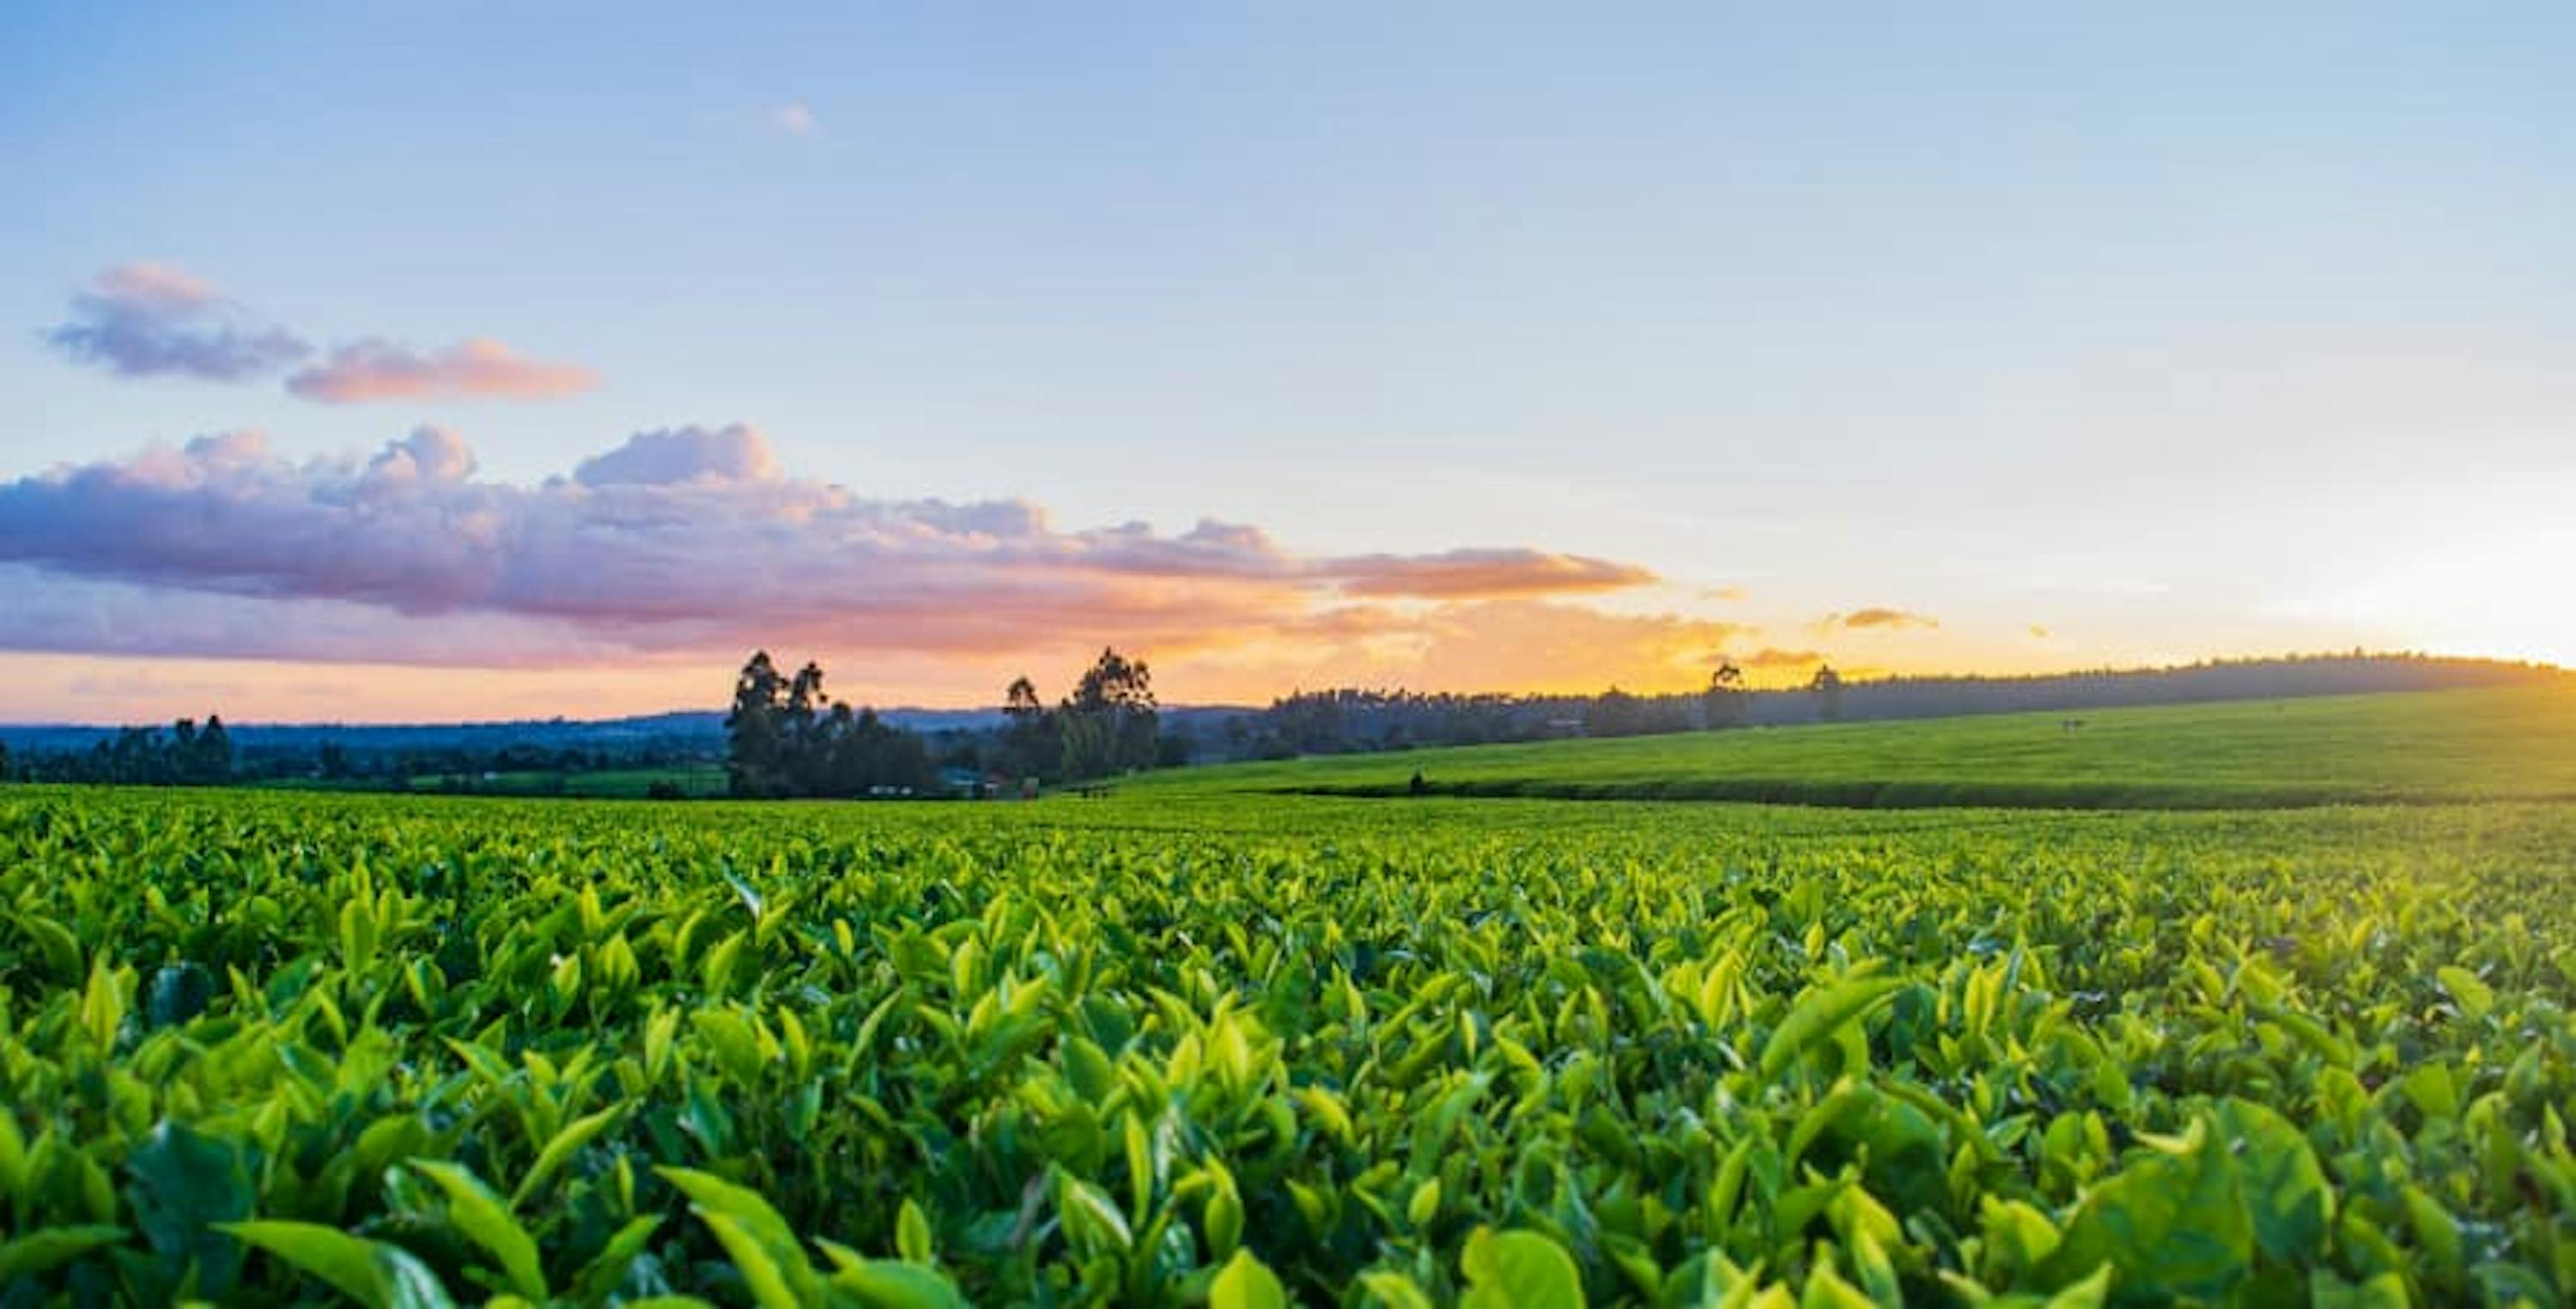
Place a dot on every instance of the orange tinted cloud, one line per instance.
(1881, 618)
(1773, 657)
(478, 368)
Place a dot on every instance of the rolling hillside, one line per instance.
(2517, 743)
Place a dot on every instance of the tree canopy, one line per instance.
(785, 737)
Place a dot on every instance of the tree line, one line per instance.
(786, 737)
(1110, 724)
(185, 755)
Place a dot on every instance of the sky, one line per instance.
(484, 360)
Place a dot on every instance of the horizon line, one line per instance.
(2541, 667)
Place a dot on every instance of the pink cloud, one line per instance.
(147, 320)
(151, 319)
(478, 368)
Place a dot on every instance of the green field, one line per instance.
(696, 782)
(2409, 748)
(599, 784)
(1181, 1049)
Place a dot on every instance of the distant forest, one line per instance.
(778, 740)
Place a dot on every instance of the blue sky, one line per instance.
(2175, 334)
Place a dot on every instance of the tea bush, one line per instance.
(257, 1049)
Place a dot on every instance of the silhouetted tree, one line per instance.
(1613, 713)
(1030, 745)
(1827, 687)
(786, 737)
(1727, 698)
(755, 751)
(1109, 721)
(808, 731)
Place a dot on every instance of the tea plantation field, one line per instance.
(2517, 743)
(1246, 1051)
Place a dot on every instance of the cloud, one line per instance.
(429, 454)
(151, 320)
(1485, 574)
(677, 542)
(2039, 633)
(1774, 657)
(146, 319)
(683, 454)
(478, 368)
(1880, 618)
(796, 118)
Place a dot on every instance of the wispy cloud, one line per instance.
(686, 540)
(148, 320)
(1875, 617)
(1483, 574)
(478, 368)
(1773, 657)
(796, 118)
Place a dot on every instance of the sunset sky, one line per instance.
(468, 361)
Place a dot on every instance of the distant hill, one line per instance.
(2215, 680)
(2495, 743)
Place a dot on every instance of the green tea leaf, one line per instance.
(2474, 997)
(574, 1136)
(1818, 1016)
(1519, 1270)
(2170, 1225)
(183, 1185)
(33, 1253)
(486, 1220)
(1246, 1283)
(912, 1233)
(373, 1274)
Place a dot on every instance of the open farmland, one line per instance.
(2517, 743)
(1173, 1050)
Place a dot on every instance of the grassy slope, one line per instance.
(2442, 745)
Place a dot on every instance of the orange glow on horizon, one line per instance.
(92, 689)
